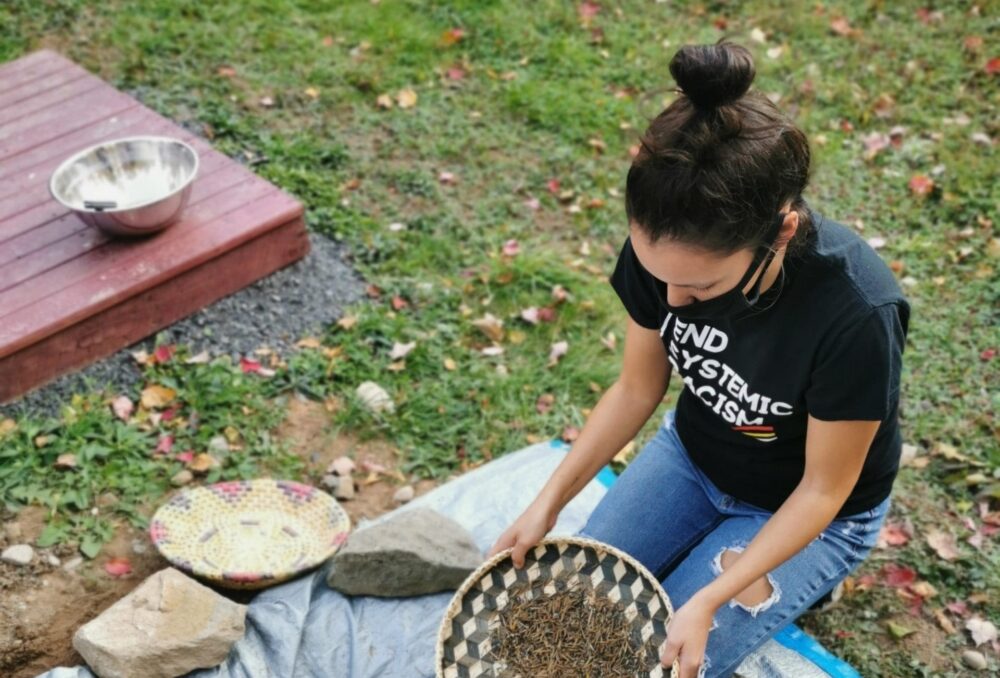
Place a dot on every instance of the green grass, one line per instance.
(505, 137)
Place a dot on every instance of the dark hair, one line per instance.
(715, 167)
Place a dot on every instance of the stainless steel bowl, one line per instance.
(131, 186)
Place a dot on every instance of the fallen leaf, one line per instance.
(185, 457)
(156, 396)
(992, 66)
(452, 36)
(559, 294)
(249, 366)
(610, 341)
(401, 350)
(943, 544)
(546, 314)
(553, 186)
(492, 351)
(450, 365)
(841, 27)
(924, 589)
(226, 71)
(921, 184)
(163, 354)
(982, 631)
(384, 101)
(943, 621)
(122, 407)
(199, 359)
(65, 461)
(399, 303)
(530, 315)
(7, 426)
(203, 462)
(988, 354)
(118, 567)
(406, 98)
(544, 403)
(446, 178)
(164, 445)
(898, 631)
(557, 351)
(570, 433)
(308, 342)
(623, 454)
(511, 248)
(898, 576)
(347, 322)
(491, 326)
(312, 92)
(892, 534)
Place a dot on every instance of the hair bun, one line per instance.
(713, 75)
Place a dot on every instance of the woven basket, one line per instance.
(249, 534)
(464, 645)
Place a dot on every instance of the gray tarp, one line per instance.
(303, 629)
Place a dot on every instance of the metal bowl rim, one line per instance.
(141, 137)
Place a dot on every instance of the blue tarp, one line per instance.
(304, 629)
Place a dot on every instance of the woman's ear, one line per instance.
(789, 227)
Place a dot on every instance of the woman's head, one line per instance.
(717, 166)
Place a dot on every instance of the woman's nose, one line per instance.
(678, 296)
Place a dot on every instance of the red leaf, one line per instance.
(373, 291)
(553, 186)
(959, 607)
(118, 567)
(456, 73)
(893, 534)
(511, 248)
(546, 314)
(399, 303)
(898, 575)
(993, 66)
(988, 354)
(921, 185)
(248, 365)
(164, 353)
(588, 10)
(185, 457)
(165, 444)
(167, 415)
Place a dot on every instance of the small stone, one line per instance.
(344, 490)
(331, 481)
(52, 560)
(219, 445)
(139, 546)
(182, 478)
(404, 494)
(341, 466)
(73, 563)
(375, 397)
(18, 554)
(974, 660)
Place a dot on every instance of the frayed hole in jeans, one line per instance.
(756, 608)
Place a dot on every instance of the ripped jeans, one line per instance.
(669, 516)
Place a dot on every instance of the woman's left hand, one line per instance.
(687, 636)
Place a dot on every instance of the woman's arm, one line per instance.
(617, 417)
(835, 453)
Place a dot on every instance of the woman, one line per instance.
(770, 480)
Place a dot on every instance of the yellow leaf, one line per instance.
(406, 98)
(157, 396)
(384, 101)
(397, 366)
(517, 337)
(232, 435)
(449, 364)
(6, 426)
(625, 452)
(202, 462)
(41, 441)
(347, 322)
(312, 92)
(308, 342)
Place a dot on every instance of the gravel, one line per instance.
(299, 300)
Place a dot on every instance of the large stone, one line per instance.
(416, 552)
(168, 626)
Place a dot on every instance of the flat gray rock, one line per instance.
(420, 551)
(168, 626)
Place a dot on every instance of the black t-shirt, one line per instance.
(829, 344)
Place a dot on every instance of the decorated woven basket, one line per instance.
(466, 637)
(249, 534)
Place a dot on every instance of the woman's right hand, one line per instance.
(525, 532)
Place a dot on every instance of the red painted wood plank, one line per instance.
(35, 65)
(22, 163)
(40, 87)
(112, 274)
(93, 106)
(63, 98)
(32, 205)
(142, 315)
(15, 270)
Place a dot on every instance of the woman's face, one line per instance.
(691, 273)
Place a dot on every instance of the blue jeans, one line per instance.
(669, 516)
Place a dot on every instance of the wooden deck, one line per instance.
(69, 294)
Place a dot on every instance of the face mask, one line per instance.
(734, 301)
